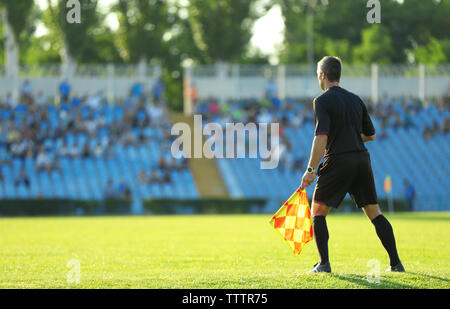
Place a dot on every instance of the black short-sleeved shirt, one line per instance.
(342, 116)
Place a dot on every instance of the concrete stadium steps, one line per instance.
(206, 173)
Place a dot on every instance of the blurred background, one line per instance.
(86, 108)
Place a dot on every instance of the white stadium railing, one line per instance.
(114, 80)
(232, 81)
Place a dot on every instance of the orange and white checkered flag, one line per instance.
(293, 221)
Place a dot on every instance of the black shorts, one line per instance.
(342, 173)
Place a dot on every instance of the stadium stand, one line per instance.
(412, 146)
(84, 148)
(90, 149)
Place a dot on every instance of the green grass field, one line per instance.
(233, 251)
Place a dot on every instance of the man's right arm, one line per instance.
(368, 130)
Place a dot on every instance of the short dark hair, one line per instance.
(332, 67)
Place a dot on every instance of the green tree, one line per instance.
(21, 23)
(376, 46)
(221, 29)
(296, 14)
(343, 20)
(151, 31)
(295, 33)
(15, 21)
(91, 41)
(18, 13)
(433, 52)
(75, 38)
(340, 48)
(414, 22)
(143, 24)
(340, 25)
(28, 33)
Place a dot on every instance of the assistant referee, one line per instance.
(342, 126)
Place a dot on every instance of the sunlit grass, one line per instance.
(240, 251)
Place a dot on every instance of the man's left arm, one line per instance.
(318, 148)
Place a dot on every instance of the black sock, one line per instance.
(321, 236)
(386, 235)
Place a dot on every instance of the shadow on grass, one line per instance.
(418, 217)
(430, 277)
(363, 282)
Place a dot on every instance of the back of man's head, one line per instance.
(332, 67)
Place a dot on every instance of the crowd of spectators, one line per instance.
(431, 131)
(70, 125)
(391, 117)
(390, 112)
(120, 191)
(39, 127)
(162, 172)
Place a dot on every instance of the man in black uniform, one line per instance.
(342, 126)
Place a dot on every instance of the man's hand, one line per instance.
(308, 179)
(366, 138)
(317, 150)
